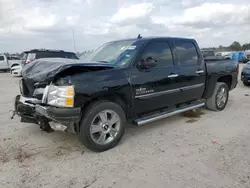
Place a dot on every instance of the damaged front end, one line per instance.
(48, 96)
(61, 115)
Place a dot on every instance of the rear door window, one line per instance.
(31, 56)
(1, 58)
(187, 52)
(160, 51)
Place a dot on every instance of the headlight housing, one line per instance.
(59, 96)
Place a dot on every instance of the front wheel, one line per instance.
(102, 126)
(218, 101)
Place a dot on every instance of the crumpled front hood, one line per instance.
(42, 70)
(45, 70)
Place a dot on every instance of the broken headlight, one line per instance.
(59, 96)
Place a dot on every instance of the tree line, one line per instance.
(235, 46)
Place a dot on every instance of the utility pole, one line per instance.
(73, 35)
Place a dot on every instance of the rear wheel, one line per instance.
(218, 100)
(102, 126)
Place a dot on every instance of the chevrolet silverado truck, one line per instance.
(137, 81)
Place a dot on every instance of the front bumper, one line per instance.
(60, 115)
(31, 110)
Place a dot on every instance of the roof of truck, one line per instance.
(151, 38)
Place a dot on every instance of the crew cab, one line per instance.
(7, 62)
(138, 80)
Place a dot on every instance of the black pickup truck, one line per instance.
(136, 80)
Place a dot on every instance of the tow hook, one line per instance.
(12, 114)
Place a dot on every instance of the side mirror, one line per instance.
(148, 63)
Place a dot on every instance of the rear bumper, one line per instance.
(31, 110)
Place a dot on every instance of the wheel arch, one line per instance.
(15, 64)
(115, 98)
(227, 79)
(213, 80)
(108, 97)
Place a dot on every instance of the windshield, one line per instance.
(116, 53)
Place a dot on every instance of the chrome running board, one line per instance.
(166, 114)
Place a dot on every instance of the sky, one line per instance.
(54, 24)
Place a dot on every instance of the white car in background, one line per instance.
(16, 70)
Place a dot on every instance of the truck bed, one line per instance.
(221, 65)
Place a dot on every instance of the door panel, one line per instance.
(157, 87)
(192, 70)
(3, 63)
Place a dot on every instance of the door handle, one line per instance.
(199, 71)
(173, 75)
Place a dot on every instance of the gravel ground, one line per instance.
(211, 151)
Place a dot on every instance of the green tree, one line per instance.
(246, 46)
(236, 46)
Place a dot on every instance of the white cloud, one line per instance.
(72, 20)
(132, 12)
(191, 3)
(35, 20)
(216, 13)
(209, 15)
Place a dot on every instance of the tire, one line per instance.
(245, 83)
(212, 102)
(91, 114)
